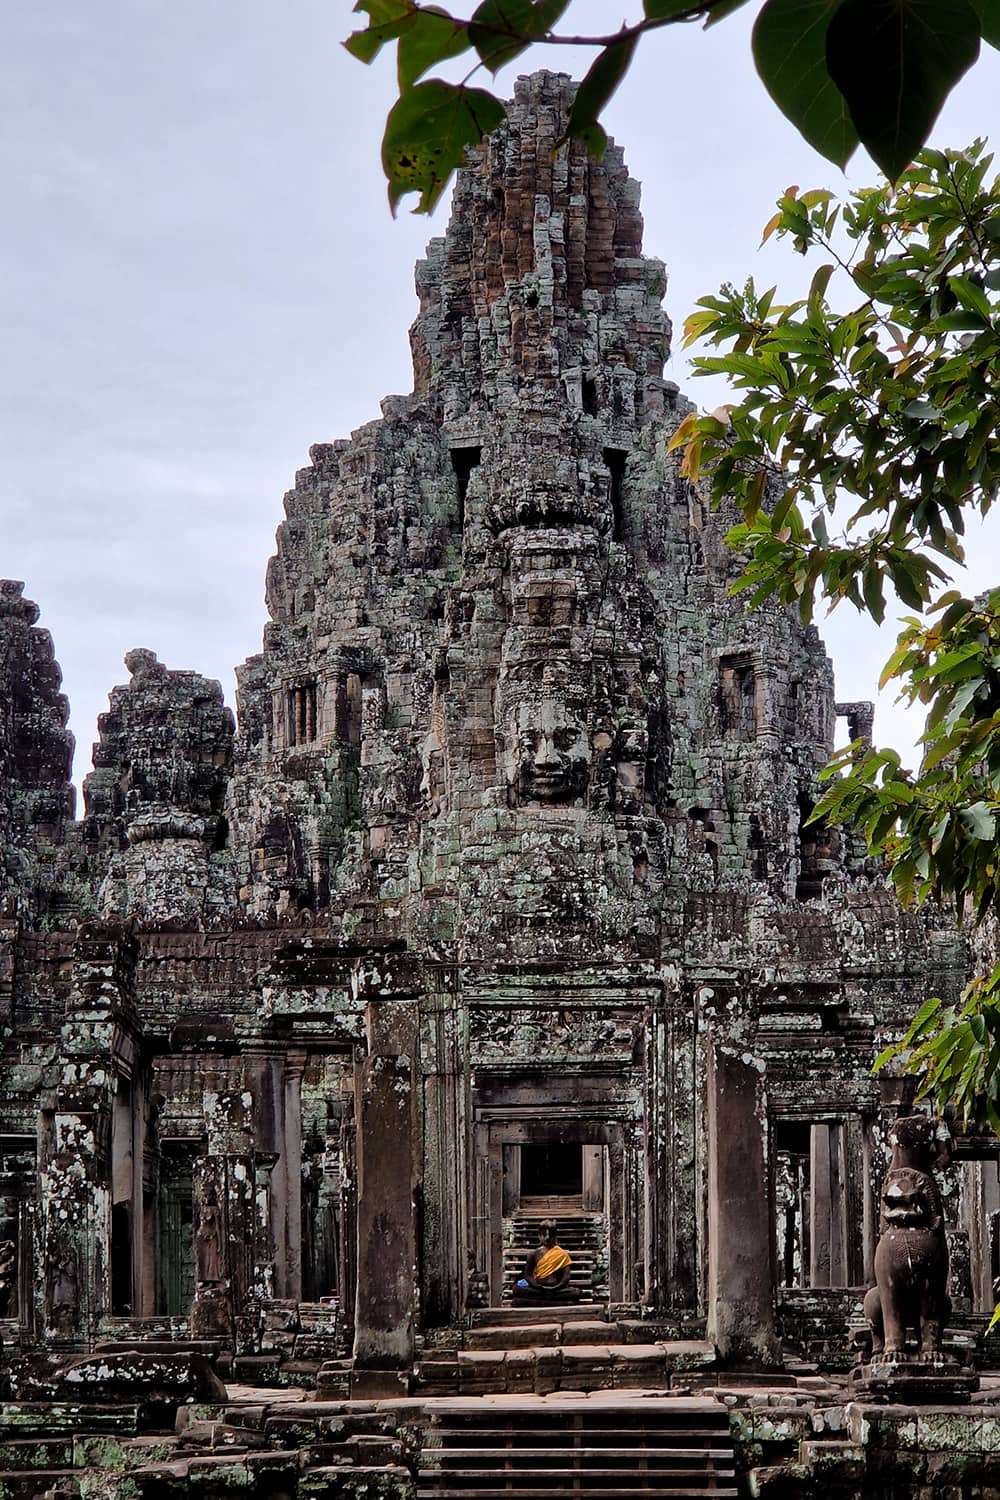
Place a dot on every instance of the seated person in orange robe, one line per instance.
(547, 1268)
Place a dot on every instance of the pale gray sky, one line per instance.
(199, 277)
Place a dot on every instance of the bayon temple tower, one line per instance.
(496, 903)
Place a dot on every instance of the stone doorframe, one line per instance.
(625, 1206)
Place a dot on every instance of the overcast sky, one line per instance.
(199, 277)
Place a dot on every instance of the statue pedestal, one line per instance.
(529, 1296)
(915, 1379)
(211, 1311)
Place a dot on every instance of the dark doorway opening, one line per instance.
(121, 1260)
(551, 1171)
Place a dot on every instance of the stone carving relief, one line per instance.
(548, 751)
(543, 733)
(533, 1032)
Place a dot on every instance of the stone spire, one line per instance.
(540, 284)
(36, 752)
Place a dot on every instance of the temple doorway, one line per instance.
(546, 1148)
(565, 1182)
(175, 1270)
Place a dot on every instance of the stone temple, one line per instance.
(498, 902)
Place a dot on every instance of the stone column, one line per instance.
(386, 1295)
(292, 1141)
(263, 1285)
(740, 1280)
(264, 1070)
(225, 1224)
(386, 1270)
(75, 1154)
(828, 1206)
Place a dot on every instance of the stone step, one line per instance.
(525, 1335)
(580, 1448)
(686, 1458)
(553, 1313)
(36, 1453)
(541, 1370)
(29, 1484)
(707, 1437)
(525, 1490)
(49, 1418)
(335, 1483)
(258, 1471)
(587, 1474)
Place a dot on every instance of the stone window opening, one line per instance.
(737, 696)
(349, 710)
(463, 461)
(860, 720)
(702, 834)
(615, 459)
(588, 395)
(757, 844)
(300, 713)
(819, 849)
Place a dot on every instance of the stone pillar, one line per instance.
(387, 1251)
(225, 1224)
(828, 1206)
(264, 1070)
(264, 1162)
(740, 1280)
(212, 1310)
(386, 1295)
(9, 931)
(75, 1154)
(292, 1141)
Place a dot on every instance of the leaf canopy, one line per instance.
(843, 71)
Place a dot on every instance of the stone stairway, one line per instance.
(46, 1446)
(540, 1351)
(585, 1448)
(583, 1235)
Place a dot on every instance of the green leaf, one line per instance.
(789, 48)
(433, 36)
(979, 821)
(924, 411)
(603, 77)
(387, 19)
(501, 30)
(971, 296)
(922, 1019)
(659, 10)
(426, 134)
(895, 62)
(718, 10)
(818, 286)
(988, 12)
(874, 595)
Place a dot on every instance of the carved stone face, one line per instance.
(551, 751)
